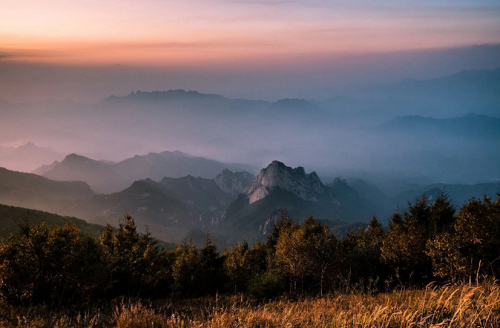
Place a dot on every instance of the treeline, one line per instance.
(430, 242)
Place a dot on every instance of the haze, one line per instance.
(357, 78)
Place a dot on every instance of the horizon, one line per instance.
(312, 49)
(312, 100)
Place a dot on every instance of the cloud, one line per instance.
(29, 54)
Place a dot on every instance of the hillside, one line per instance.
(11, 217)
(33, 191)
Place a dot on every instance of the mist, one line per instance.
(383, 129)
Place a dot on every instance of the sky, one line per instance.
(227, 46)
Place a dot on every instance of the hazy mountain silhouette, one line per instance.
(111, 177)
(458, 193)
(45, 168)
(472, 91)
(170, 95)
(471, 126)
(27, 157)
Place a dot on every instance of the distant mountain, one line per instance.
(458, 193)
(368, 190)
(45, 168)
(279, 187)
(465, 83)
(27, 157)
(109, 177)
(471, 125)
(293, 104)
(33, 191)
(472, 91)
(170, 95)
(173, 206)
(184, 103)
(234, 183)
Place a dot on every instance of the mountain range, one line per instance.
(373, 129)
(108, 177)
(27, 157)
(232, 205)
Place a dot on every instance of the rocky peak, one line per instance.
(278, 175)
(233, 183)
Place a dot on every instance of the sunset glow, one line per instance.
(197, 33)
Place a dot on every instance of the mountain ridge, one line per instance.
(112, 177)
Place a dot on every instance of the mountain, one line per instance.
(279, 187)
(109, 177)
(76, 167)
(471, 125)
(279, 176)
(184, 103)
(465, 83)
(453, 150)
(458, 193)
(11, 217)
(368, 190)
(45, 168)
(170, 95)
(27, 157)
(471, 91)
(33, 191)
(234, 183)
(171, 207)
(294, 105)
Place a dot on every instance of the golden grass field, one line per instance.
(447, 306)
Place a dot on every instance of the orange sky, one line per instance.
(200, 32)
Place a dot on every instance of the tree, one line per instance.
(472, 247)
(442, 215)
(360, 256)
(283, 224)
(244, 264)
(323, 249)
(292, 256)
(404, 248)
(44, 265)
(134, 263)
(185, 269)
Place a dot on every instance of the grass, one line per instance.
(447, 306)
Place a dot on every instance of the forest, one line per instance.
(431, 244)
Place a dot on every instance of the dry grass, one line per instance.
(451, 306)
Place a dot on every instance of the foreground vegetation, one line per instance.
(446, 306)
(434, 266)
